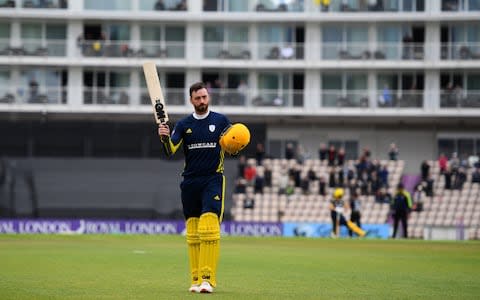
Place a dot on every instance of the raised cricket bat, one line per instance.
(155, 91)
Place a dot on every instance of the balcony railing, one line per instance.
(280, 51)
(362, 51)
(400, 98)
(460, 98)
(106, 95)
(173, 96)
(34, 47)
(454, 51)
(225, 50)
(354, 6)
(95, 48)
(250, 98)
(55, 4)
(351, 98)
(37, 95)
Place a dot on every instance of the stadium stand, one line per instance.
(270, 205)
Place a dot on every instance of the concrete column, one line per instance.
(432, 41)
(135, 90)
(135, 42)
(253, 41)
(75, 87)
(76, 5)
(74, 30)
(15, 34)
(431, 95)
(195, 6)
(312, 97)
(194, 42)
(312, 40)
(372, 89)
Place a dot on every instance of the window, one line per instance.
(162, 41)
(278, 41)
(463, 146)
(43, 86)
(108, 4)
(43, 39)
(173, 83)
(106, 87)
(227, 88)
(345, 41)
(226, 42)
(344, 90)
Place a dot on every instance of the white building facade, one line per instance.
(356, 74)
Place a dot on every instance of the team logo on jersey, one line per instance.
(188, 131)
(211, 128)
(216, 198)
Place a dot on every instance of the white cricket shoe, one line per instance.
(195, 288)
(206, 287)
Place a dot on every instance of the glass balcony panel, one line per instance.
(173, 96)
(342, 98)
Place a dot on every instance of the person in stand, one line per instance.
(206, 136)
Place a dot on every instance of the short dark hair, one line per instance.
(400, 186)
(197, 86)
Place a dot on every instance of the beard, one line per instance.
(201, 109)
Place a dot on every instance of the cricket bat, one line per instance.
(155, 91)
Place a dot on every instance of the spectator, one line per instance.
(240, 186)
(159, 5)
(418, 197)
(460, 179)
(242, 164)
(287, 52)
(322, 152)
(425, 169)
(448, 178)
(332, 181)
(401, 206)
(383, 196)
(428, 186)
(289, 151)
(332, 155)
(341, 156)
(387, 96)
(259, 153)
(454, 162)
(442, 163)
(283, 182)
(249, 202)
(355, 215)
(393, 152)
(268, 176)
(311, 174)
(259, 183)
(476, 175)
(242, 90)
(322, 186)
(383, 175)
(250, 173)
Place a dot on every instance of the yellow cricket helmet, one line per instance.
(338, 193)
(235, 138)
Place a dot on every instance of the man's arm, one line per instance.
(169, 147)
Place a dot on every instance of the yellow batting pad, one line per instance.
(209, 232)
(193, 241)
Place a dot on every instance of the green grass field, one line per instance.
(155, 267)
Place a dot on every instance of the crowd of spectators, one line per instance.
(365, 176)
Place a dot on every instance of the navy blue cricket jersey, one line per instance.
(200, 139)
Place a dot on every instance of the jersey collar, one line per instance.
(201, 117)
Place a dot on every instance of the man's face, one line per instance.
(199, 100)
